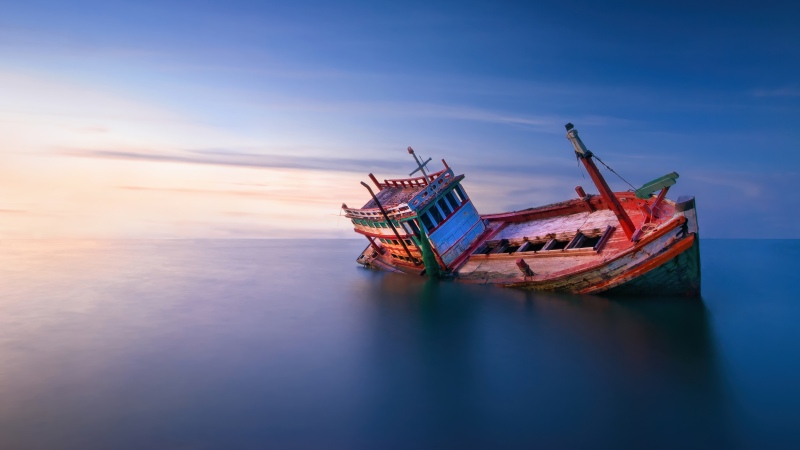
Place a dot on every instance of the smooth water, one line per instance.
(289, 344)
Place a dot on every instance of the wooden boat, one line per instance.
(636, 242)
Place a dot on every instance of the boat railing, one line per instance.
(398, 211)
(412, 182)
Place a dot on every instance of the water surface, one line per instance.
(289, 344)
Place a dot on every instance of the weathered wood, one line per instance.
(575, 241)
(388, 221)
(604, 238)
(662, 256)
(642, 268)
(654, 207)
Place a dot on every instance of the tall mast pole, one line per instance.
(605, 192)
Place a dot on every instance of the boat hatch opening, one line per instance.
(486, 248)
(532, 246)
(580, 240)
(556, 244)
(501, 247)
(588, 242)
(482, 250)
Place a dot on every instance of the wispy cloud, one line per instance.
(241, 159)
(294, 198)
(236, 158)
(749, 188)
(452, 111)
(787, 91)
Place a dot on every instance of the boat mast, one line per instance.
(605, 192)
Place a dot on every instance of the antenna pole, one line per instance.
(420, 164)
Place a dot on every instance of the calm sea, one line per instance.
(289, 344)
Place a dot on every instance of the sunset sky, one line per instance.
(245, 119)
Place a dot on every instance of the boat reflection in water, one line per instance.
(482, 365)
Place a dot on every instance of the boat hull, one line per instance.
(662, 260)
(679, 276)
(673, 271)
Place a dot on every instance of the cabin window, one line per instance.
(460, 193)
(451, 199)
(437, 216)
(408, 242)
(426, 221)
(411, 227)
(395, 242)
(383, 225)
(511, 249)
(446, 209)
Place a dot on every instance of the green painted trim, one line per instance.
(432, 268)
(656, 185)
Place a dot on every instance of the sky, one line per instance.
(258, 119)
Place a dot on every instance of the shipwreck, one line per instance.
(635, 242)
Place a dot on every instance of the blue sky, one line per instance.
(257, 119)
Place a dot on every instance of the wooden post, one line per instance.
(660, 197)
(584, 198)
(375, 180)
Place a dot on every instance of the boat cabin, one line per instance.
(404, 212)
